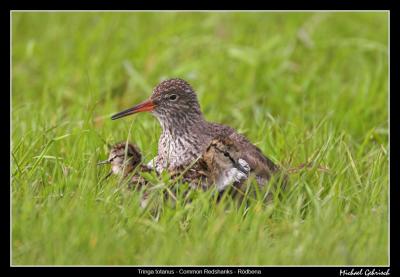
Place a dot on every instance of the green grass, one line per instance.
(302, 86)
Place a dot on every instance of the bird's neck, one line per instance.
(182, 140)
(182, 125)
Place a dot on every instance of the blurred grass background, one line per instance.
(302, 86)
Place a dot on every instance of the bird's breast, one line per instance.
(174, 152)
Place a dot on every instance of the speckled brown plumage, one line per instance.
(124, 158)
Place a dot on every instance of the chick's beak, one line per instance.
(145, 106)
(103, 162)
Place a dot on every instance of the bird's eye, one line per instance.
(110, 160)
(226, 154)
(172, 97)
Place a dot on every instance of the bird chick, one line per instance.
(124, 158)
(224, 163)
(220, 165)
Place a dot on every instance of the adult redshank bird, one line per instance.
(185, 132)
